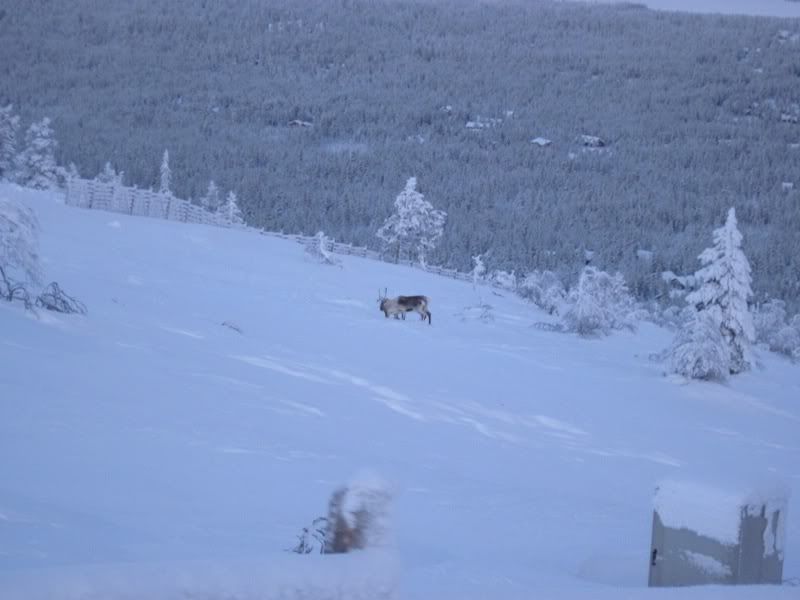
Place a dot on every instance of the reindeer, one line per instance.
(398, 307)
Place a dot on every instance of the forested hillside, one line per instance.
(697, 114)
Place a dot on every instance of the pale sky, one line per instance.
(773, 8)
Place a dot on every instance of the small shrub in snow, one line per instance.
(319, 248)
(55, 299)
(312, 539)
(699, 350)
(358, 517)
(232, 326)
(482, 312)
(544, 289)
(598, 304)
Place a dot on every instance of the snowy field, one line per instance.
(147, 451)
(763, 8)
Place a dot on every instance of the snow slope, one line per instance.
(763, 8)
(148, 444)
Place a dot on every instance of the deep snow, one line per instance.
(148, 437)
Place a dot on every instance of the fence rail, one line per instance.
(97, 195)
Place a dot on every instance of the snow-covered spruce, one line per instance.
(722, 297)
(36, 165)
(165, 175)
(9, 125)
(231, 210)
(414, 228)
(211, 201)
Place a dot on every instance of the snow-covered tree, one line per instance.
(9, 125)
(478, 269)
(598, 304)
(19, 249)
(415, 226)
(109, 175)
(166, 175)
(724, 291)
(211, 201)
(318, 247)
(231, 209)
(699, 350)
(36, 164)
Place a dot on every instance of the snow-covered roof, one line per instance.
(710, 510)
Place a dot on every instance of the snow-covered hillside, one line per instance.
(763, 8)
(148, 444)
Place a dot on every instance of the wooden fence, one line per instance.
(88, 193)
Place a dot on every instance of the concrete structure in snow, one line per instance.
(707, 535)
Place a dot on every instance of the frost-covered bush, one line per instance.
(768, 319)
(598, 304)
(504, 280)
(699, 350)
(19, 250)
(773, 330)
(544, 289)
(109, 175)
(358, 516)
